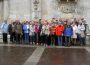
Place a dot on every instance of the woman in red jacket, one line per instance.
(52, 33)
(59, 32)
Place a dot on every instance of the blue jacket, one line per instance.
(68, 31)
(25, 29)
(4, 28)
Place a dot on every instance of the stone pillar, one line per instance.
(6, 9)
(67, 0)
(36, 9)
(1, 11)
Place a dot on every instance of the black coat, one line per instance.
(10, 28)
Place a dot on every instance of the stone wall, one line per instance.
(23, 9)
(50, 10)
(19, 9)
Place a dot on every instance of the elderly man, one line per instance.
(86, 28)
(4, 28)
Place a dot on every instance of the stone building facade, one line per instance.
(45, 9)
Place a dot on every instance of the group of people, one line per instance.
(43, 32)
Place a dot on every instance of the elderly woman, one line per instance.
(26, 29)
(52, 33)
(31, 32)
(74, 36)
(18, 31)
(36, 32)
(59, 33)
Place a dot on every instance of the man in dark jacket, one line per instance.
(11, 29)
(86, 29)
(40, 27)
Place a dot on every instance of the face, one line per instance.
(65, 22)
(18, 22)
(80, 23)
(30, 22)
(27, 22)
(5, 21)
(84, 21)
(36, 23)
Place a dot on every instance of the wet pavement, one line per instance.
(14, 55)
(40, 55)
(65, 56)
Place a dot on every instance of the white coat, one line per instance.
(74, 31)
(31, 30)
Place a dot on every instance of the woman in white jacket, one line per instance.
(74, 36)
(31, 33)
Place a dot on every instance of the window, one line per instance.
(1, 0)
(71, 0)
(63, 0)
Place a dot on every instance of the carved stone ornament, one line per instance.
(68, 8)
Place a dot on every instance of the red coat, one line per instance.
(59, 30)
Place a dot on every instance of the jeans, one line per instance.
(60, 40)
(67, 40)
(26, 37)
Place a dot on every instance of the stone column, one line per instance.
(67, 0)
(5, 9)
(1, 11)
(36, 9)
